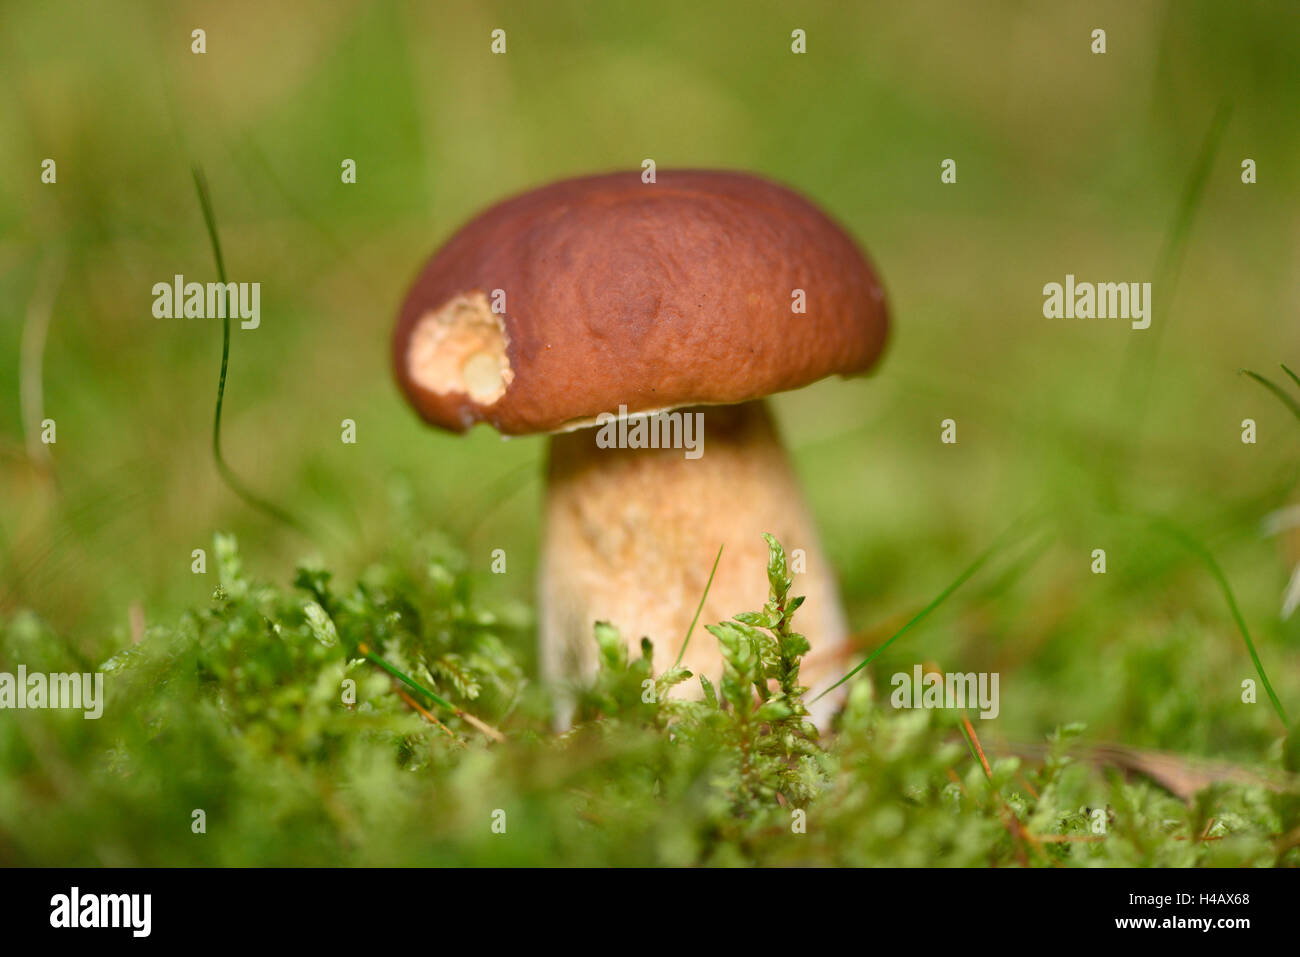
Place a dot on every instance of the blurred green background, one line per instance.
(1067, 162)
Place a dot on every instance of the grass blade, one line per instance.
(227, 475)
(699, 608)
(998, 544)
(1170, 258)
(1284, 397)
(1204, 554)
(1294, 377)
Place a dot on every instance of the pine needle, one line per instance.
(437, 699)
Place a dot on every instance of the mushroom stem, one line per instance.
(631, 535)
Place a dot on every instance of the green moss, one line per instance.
(259, 711)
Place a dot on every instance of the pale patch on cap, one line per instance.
(460, 347)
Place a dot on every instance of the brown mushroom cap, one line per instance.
(623, 293)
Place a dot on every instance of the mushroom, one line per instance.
(592, 307)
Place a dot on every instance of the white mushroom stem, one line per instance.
(631, 535)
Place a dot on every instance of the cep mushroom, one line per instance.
(604, 298)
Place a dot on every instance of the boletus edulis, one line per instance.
(619, 317)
